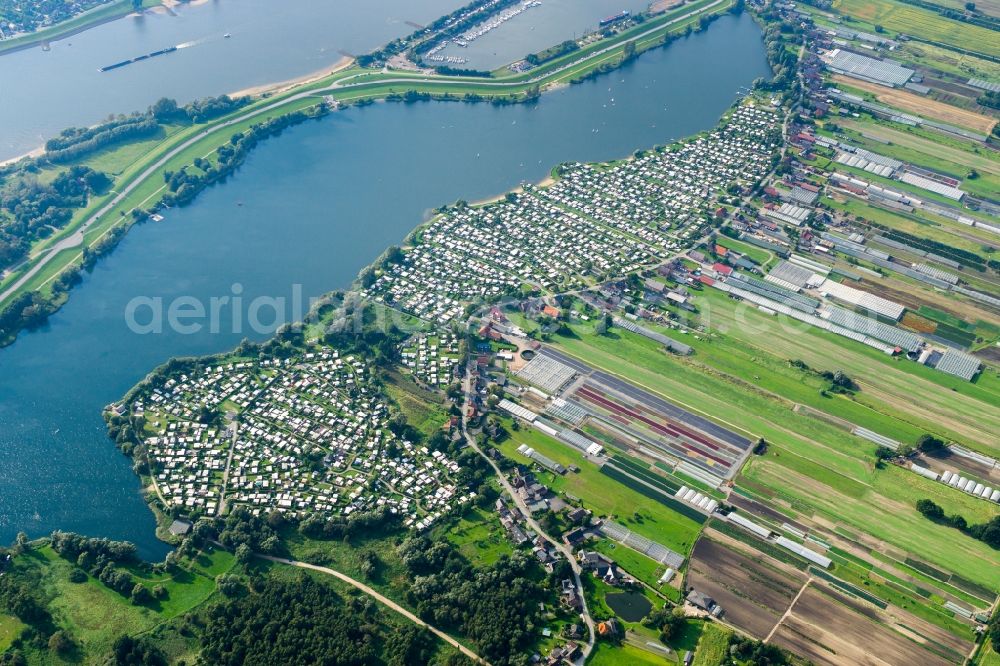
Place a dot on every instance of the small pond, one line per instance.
(629, 606)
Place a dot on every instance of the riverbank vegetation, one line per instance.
(36, 287)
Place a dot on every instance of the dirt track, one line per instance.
(827, 628)
(753, 596)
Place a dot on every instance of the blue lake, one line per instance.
(310, 208)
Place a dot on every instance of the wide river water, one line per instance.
(309, 208)
(271, 40)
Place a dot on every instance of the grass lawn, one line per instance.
(637, 564)
(479, 537)
(390, 577)
(423, 409)
(10, 628)
(95, 615)
(605, 654)
(987, 656)
(604, 496)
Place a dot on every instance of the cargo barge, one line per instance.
(108, 68)
(614, 19)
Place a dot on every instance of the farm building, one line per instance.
(959, 364)
(789, 213)
(791, 276)
(886, 72)
(862, 299)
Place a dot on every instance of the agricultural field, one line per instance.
(947, 61)
(919, 105)
(832, 504)
(925, 225)
(904, 396)
(827, 627)
(754, 591)
(921, 23)
(772, 594)
(937, 155)
(815, 471)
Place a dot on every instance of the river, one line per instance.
(43, 92)
(309, 208)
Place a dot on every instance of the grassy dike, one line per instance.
(143, 178)
(89, 19)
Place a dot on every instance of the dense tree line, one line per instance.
(76, 142)
(184, 186)
(31, 209)
(781, 40)
(749, 652)
(496, 606)
(303, 622)
(73, 546)
(988, 532)
(458, 71)
(990, 98)
(129, 651)
(994, 630)
(553, 52)
(19, 598)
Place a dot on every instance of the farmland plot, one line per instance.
(829, 628)
(754, 591)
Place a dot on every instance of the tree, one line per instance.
(20, 543)
(971, 6)
(60, 643)
(128, 651)
(140, 595)
(930, 509)
(229, 585)
(883, 453)
(243, 553)
(931, 445)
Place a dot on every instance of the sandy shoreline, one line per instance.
(281, 86)
(34, 153)
(545, 182)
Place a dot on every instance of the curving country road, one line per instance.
(381, 598)
(563, 548)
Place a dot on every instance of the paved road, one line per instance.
(76, 239)
(559, 545)
(381, 598)
(540, 77)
